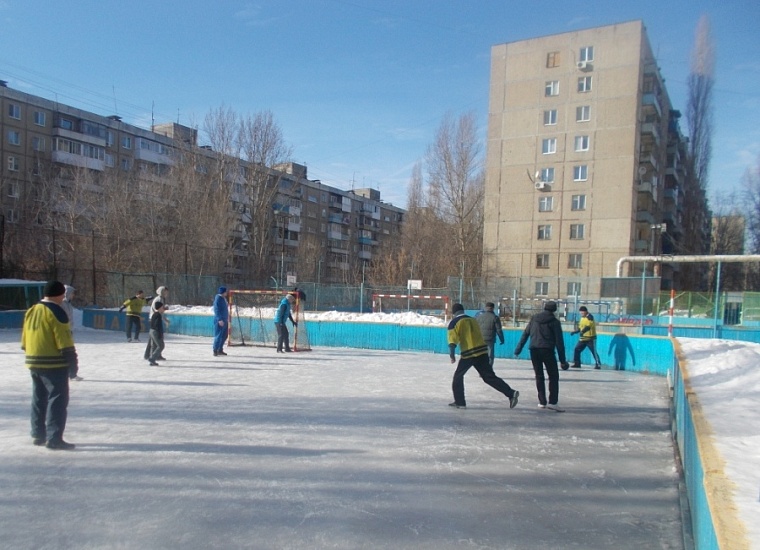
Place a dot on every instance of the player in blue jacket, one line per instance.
(221, 320)
(280, 317)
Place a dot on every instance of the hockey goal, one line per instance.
(252, 319)
(423, 304)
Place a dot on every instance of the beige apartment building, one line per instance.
(583, 162)
(315, 232)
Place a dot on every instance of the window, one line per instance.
(546, 175)
(573, 289)
(575, 261)
(38, 143)
(581, 143)
(13, 190)
(542, 261)
(65, 123)
(14, 111)
(584, 84)
(583, 113)
(11, 215)
(13, 163)
(552, 88)
(126, 142)
(14, 137)
(580, 172)
(552, 60)
(586, 54)
(109, 138)
(544, 232)
(39, 118)
(550, 117)
(578, 202)
(577, 231)
(549, 146)
(542, 289)
(545, 204)
(109, 160)
(125, 164)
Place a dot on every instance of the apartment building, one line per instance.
(584, 162)
(316, 232)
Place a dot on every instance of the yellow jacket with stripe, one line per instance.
(46, 337)
(587, 327)
(464, 331)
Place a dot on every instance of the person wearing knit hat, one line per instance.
(490, 328)
(587, 330)
(464, 331)
(50, 356)
(157, 334)
(162, 296)
(221, 320)
(545, 333)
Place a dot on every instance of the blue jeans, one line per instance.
(50, 399)
(220, 335)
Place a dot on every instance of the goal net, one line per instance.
(436, 306)
(252, 319)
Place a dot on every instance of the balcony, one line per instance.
(78, 160)
(650, 102)
(366, 240)
(339, 218)
(648, 188)
(365, 255)
(641, 245)
(651, 129)
(336, 235)
(644, 216)
(674, 173)
(647, 158)
(77, 136)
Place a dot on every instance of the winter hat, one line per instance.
(222, 289)
(456, 308)
(583, 308)
(291, 298)
(54, 288)
(489, 305)
(550, 306)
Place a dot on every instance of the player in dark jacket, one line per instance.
(545, 333)
(490, 328)
(465, 332)
(157, 333)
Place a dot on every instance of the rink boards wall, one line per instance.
(631, 352)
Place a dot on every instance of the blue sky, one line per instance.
(359, 87)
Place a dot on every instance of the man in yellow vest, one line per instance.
(50, 355)
(587, 330)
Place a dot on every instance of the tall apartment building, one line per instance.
(317, 232)
(584, 161)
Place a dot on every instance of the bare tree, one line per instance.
(456, 187)
(728, 230)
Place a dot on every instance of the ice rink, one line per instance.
(333, 448)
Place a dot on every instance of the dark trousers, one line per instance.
(133, 321)
(485, 371)
(490, 352)
(220, 335)
(544, 357)
(580, 346)
(50, 399)
(283, 336)
(156, 344)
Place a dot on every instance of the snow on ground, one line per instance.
(725, 375)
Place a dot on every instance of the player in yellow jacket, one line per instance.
(587, 330)
(464, 331)
(50, 355)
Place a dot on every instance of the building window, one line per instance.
(36, 170)
(577, 231)
(14, 137)
(550, 117)
(13, 163)
(575, 261)
(65, 123)
(14, 111)
(545, 204)
(580, 172)
(544, 232)
(583, 113)
(39, 118)
(549, 146)
(581, 143)
(542, 289)
(546, 175)
(586, 54)
(11, 215)
(109, 138)
(125, 164)
(552, 88)
(573, 289)
(126, 142)
(13, 190)
(542, 261)
(109, 160)
(38, 143)
(584, 84)
(552, 60)
(578, 202)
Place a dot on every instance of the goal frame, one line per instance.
(377, 300)
(296, 312)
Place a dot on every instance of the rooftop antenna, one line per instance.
(152, 116)
(115, 107)
(177, 115)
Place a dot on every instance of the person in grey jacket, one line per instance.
(545, 333)
(490, 328)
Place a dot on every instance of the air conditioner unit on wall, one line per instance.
(541, 186)
(582, 64)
